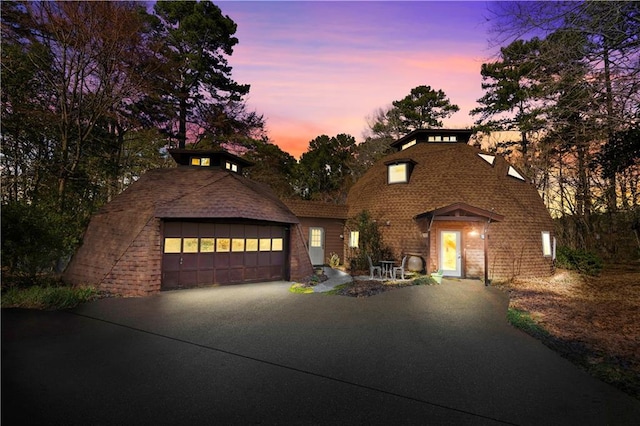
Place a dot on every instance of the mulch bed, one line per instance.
(367, 288)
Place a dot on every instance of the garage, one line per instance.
(201, 223)
(199, 254)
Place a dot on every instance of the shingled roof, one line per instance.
(182, 192)
(318, 209)
(446, 174)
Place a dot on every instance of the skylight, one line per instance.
(514, 173)
(488, 158)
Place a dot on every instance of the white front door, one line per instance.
(450, 253)
(316, 246)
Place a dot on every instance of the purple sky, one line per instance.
(322, 67)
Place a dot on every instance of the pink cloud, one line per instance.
(322, 68)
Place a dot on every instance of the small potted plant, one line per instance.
(437, 276)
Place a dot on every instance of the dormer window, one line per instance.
(399, 171)
(201, 161)
(231, 166)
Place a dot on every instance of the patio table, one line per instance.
(387, 267)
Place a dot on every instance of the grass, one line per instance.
(523, 320)
(298, 288)
(46, 297)
(336, 290)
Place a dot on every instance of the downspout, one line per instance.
(428, 266)
(486, 250)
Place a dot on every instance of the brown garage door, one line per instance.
(199, 254)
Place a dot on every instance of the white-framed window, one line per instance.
(547, 245)
(354, 239)
(231, 166)
(397, 173)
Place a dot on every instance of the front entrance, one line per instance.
(450, 253)
(316, 245)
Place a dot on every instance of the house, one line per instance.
(201, 223)
(452, 207)
(323, 227)
(444, 204)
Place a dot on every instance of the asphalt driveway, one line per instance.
(257, 354)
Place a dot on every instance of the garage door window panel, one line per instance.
(173, 245)
(251, 244)
(237, 245)
(207, 245)
(265, 244)
(277, 244)
(223, 245)
(190, 245)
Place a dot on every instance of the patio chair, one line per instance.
(373, 269)
(400, 268)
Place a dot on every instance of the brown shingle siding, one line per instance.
(121, 249)
(448, 173)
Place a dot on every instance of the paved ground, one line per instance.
(257, 354)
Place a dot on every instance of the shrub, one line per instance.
(580, 260)
(371, 242)
(34, 239)
(334, 260)
(424, 280)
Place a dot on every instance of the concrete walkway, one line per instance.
(335, 277)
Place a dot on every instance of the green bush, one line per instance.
(424, 280)
(371, 242)
(334, 260)
(580, 260)
(34, 239)
(49, 298)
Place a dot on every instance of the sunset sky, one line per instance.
(322, 67)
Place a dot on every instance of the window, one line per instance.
(488, 158)
(354, 239)
(231, 166)
(276, 244)
(207, 245)
(316, 237)
(251, 244)
(190, 245)
(514, 173)
(265, 244)
(237, 244)
(547, 249)
(223, 245)
(408, 144)
(397, 173)
(197, 161)
(172, 245)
